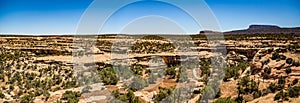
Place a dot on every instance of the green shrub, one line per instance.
(108, 76)
(270, 50)
(2, 95)
(171, 72)
(257, 94)
(27, 99)
(281, 83)
(281, 80)
(163, 93)
(129, 97)
(295, 81)
(278, 95)
(225, 100)
(282, 57)
(233, 71)
(275, 56)
(116, 93)
(267, 70)
(265, 62)
(272, 87)
(288, 70)
(138, 70)
(294, 92)
(71, 96)
(296, 64)
(247, 86)
(289, 60)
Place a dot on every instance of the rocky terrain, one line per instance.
(259, 68)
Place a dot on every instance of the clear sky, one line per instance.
(62, 16)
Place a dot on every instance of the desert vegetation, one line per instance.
(258, 68)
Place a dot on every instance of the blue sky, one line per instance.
(237, 14)
(62, 16)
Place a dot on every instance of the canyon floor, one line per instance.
(256, 68)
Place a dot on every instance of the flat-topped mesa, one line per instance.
(266, 29)
(260, 27)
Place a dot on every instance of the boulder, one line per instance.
(236, 57)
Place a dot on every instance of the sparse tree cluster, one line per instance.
(248, 86)
(28, 80)
(108, 76)
(127, 97)
(163, 93)
(71, 97)
(152, 47)
(234, 71)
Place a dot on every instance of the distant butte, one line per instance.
(258, 29)
(266, 29)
